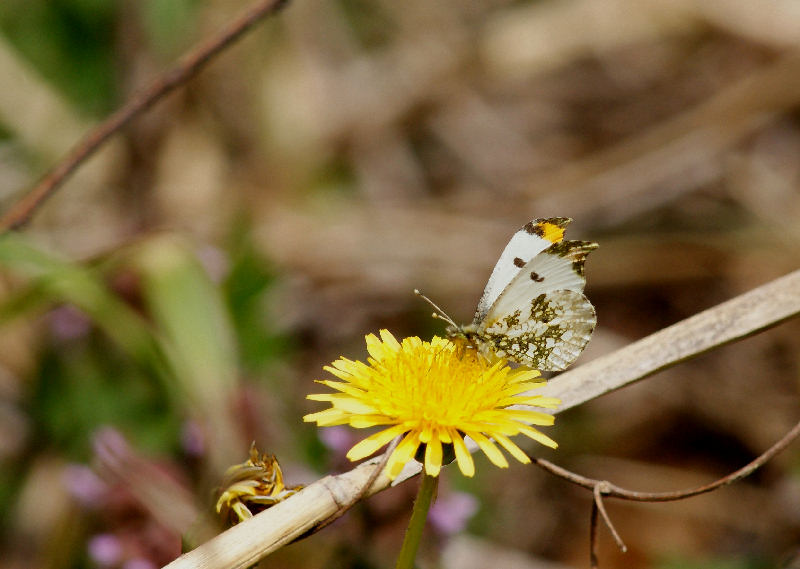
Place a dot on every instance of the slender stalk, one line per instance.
(186, 68)
(427, 489)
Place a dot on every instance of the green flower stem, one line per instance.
(427, 490)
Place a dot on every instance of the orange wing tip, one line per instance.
(551, 228)
(552, 232)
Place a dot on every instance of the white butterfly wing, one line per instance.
(541, 319)
(524, 245)
(559, 267)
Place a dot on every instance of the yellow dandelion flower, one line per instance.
(433, 394)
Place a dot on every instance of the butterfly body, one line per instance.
(533, 310)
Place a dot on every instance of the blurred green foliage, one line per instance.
(246, 289)
(75, 44)
(166, 23)
(369, 22)
(70, 42)
(144, 358)
(141, 340)
(87, 383)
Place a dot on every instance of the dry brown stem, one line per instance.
(602, 488)
(609, 489)
(186, 68)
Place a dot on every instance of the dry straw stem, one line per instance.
(244, 544)
(742, 316)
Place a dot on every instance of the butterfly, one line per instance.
(532, 310)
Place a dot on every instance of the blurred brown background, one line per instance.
(340, 156)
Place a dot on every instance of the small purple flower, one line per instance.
(193, 438)
(105, 549)
(110, 447)
(450, 514)
(68, 323)
(215, 262)
(84, 485)
(338, 439)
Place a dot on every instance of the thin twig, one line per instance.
(602, 488)
(186, 68)
(615, 491)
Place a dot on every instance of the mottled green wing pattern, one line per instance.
(547, 332)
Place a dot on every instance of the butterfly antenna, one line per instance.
(440, 314)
